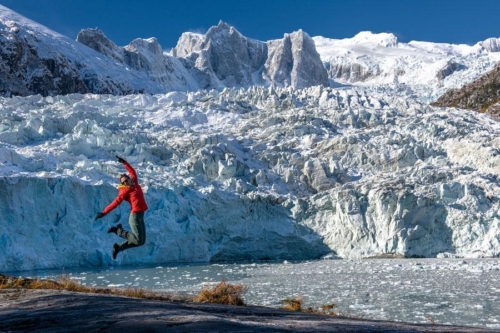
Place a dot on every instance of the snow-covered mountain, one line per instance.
(363, 168)
(225, 58)
(428, 68)
(145, 56)
(220, 58)
(36, 60)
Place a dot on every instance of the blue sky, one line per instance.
(443, 21)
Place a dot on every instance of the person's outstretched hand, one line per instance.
(121, 160)
(99, 215)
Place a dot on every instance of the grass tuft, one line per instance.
(327, 309)
(292, 304)
(296, 304)
(223, 293)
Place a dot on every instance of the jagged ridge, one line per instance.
(36, 60)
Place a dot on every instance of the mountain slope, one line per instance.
(483, 94)
(37, 60)
(142, 55)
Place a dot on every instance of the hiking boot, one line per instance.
(116, 249)
(114, 229)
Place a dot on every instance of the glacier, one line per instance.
(312, 148)
(248, 174)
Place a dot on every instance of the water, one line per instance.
(446, 291)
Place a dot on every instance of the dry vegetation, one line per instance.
(292, 304)
(223, 293)
(66, 283)
(295, 304)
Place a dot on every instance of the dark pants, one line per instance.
(138, 235)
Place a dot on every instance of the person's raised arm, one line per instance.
(129, 168)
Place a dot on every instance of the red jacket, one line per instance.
(132, 194)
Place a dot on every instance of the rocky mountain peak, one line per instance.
(293, 61)
(224, 57)
(148, 49)
(215, 36)
(221, 28)
(187, 43)
(97, 40)
(298, 37)
(145, 45)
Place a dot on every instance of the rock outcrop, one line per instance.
(483, 94)
(224, 57)
(64, 311)
(293, 61)
(96, 40)
(142, 55)
(29, 66)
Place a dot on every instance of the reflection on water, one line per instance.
(447, 291)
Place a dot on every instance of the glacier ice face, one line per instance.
(490, 45)
(257, 173)
(248, 172)
(49, 222)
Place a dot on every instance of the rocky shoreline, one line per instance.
(41, 310)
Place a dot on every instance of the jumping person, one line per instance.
(128, 190)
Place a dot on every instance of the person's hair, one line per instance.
(123, 175)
